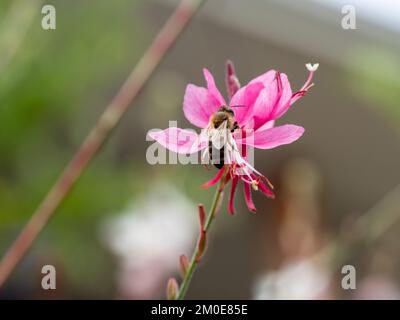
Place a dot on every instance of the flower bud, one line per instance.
(184, 263)
(201, 245)
(172, 289)
(202, 216)
(232, 82)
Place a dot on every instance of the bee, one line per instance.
(220, 122)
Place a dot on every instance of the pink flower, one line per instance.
(254, 108)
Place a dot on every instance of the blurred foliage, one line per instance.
(375, 78)
(52, 89)
(47, 95)
(54, 85)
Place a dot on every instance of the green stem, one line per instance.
(112, 115)
(210, 218)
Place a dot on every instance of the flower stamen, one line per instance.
(254, 185)
(308, 84)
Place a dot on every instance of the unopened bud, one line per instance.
(184, 263)
(172, 289)
(232, 82)
(202, 216)
(201, 245)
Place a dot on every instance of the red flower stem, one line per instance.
(210, 218)
(102, 129)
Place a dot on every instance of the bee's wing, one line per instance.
(218, 136)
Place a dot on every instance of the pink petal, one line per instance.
(232, 195)
(264, 189)
(212, 88)
(273, 101)
(273, 137)
(266, 78)
(214, 180)
(243, 101)
(264, 105)
(199, 105)
(178, 140)
(285, 97)
(248, 198)
(267, 125)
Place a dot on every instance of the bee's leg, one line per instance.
(210, 150)
(219, 163)
(235, 126)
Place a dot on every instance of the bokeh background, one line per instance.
(121, 230)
